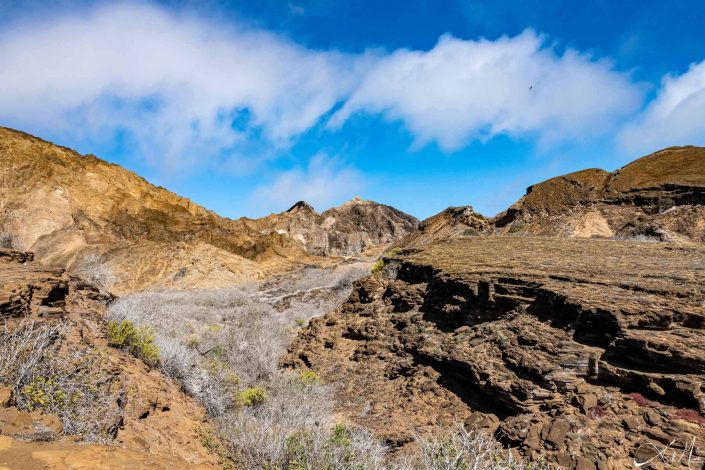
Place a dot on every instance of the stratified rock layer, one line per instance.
(68, 208)
(584, 352)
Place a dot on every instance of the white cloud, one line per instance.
(324, 183)
(171, 81)
(463, 90)
(173, 84)
(675, 117)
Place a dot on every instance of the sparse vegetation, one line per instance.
(223, 346)
(469, 449)
(690, 415)
(72, 386)
(252, 396)
(640, 399)
(309, 377)
(139, 341)
(93, 268)
(378, 266)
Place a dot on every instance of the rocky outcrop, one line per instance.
(587, 353)
(659, 197)
(454, 222)
(359, 225)
(347, 230)
(150, 423)
(68, 208)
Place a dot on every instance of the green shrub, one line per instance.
(378, 266)
(139, 341)
(251, 396)
(119, 334)
(340, 436)
(45, 393)
(309, 377)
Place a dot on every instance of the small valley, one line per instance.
(141, 330)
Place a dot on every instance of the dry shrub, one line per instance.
(74, 386)
(94, 269)
(23, 350)
(468, 449)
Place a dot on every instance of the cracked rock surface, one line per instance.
(586, 353)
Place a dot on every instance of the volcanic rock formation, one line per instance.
(454, 222)
(659, 197)
(68, 208)
(587, 353)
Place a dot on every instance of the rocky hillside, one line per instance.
(347, 230)
(454, 222)
(586, 353)
(81, 212)
(63, 390)
(660, 196)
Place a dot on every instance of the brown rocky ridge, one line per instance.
(585, 353)
(145, 419)
(68, 208)
(659, 197)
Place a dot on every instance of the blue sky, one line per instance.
(246, 107)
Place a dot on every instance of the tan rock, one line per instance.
(5, 396)
(75, 205)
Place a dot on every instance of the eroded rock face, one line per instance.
(584, 352)
(153, 423)
(67, 207)
(453, 222)
(347, 230)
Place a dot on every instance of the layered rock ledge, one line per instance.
(586, 353)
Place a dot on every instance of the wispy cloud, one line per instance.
(675, 117)
(326, 181)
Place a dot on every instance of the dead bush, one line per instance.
(9, 240)
(94, 269)
(468, 449)
(72, 385)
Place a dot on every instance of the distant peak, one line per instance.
(301, 206)
(357, 200)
